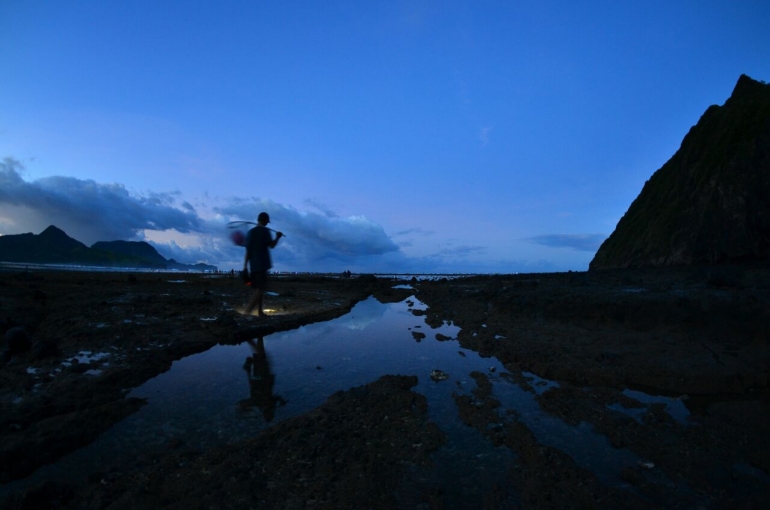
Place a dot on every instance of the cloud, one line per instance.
(314, 238)
(328, 212)
(87, 210)
(407, 232)
(579, 242)
(316, 241)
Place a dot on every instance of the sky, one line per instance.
(400, 136)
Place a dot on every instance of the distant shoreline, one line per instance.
(108, 269)
(99, 269)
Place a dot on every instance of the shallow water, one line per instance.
(206, 399)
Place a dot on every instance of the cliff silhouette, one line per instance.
(710, 203)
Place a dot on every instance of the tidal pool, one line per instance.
(218, 396)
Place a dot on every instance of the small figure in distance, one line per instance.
(258, 245)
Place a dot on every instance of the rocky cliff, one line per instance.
(710, 203)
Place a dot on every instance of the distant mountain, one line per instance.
(137, 249)
(53, 246)
(710, 203)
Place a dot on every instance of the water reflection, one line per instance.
(202, 400)
(261, 382)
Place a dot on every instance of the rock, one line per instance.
(18, 340)
(47, 495)
(39, 296)
(442, 338)
(6, 324)
(46, 348)
(723, 277)
(710, 203)
(226, 319)
(438, 375)
(418, 336)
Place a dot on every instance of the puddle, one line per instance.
(587, 448)
(218, 397)
(674, 406)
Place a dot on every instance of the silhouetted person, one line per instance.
(261, 381)
(258, 245)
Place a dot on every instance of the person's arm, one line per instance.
(273, 242)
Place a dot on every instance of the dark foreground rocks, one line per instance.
(349, 453)
(691, 331)
(698, 335)
(69, 360)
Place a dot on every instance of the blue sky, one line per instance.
(395, 136)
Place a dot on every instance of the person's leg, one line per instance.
(259, 282)
(259, 294)
(259, 349)
(256, 298)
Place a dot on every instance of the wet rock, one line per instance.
(18, 340)
(39, 296)
(80, 368)
(442, 338)
(47, 495)
(438, 375)
(226, 319)
(418, 336)
(6, 324)
(725, 277)
(46, 348)
(434, 321)
(352, 452)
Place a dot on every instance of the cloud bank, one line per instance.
(317, 241)
(314, 240)
(89, 211)
(85, 209)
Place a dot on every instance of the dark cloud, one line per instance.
(580, 242)
(313, 238)
(316, 241)
(85, 209)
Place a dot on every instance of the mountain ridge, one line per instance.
(54, 246)
(710, 202)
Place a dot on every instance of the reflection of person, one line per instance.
(258, 240)
(261, 381)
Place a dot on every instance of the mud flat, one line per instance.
(668, 367)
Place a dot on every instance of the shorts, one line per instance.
(258, 279)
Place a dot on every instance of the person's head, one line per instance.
(263, 218)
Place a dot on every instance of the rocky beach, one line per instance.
(696, 335)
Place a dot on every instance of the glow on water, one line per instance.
(208, 399)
